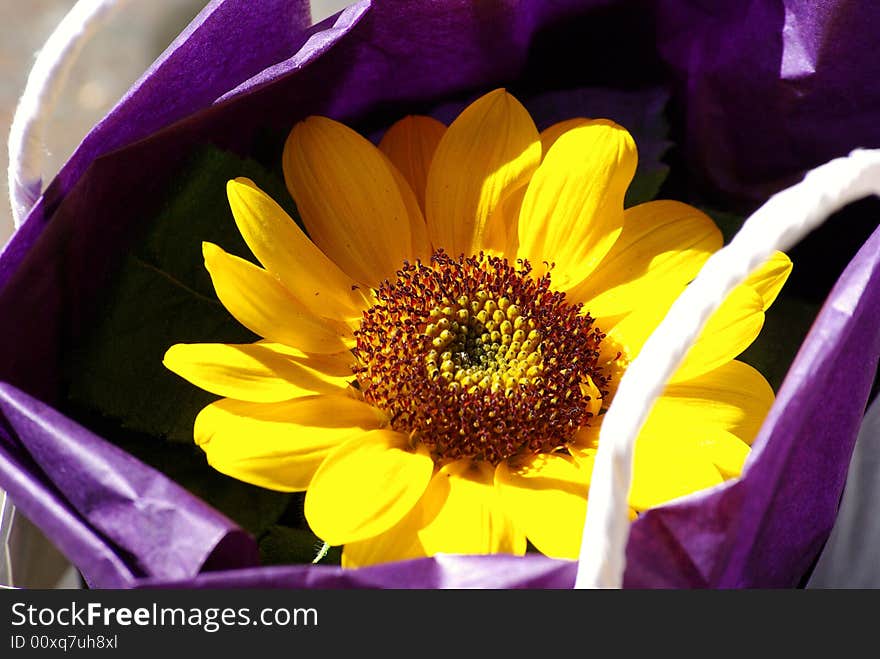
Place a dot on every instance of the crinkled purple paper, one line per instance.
(766, 89)
(771, 88)
(101, 497)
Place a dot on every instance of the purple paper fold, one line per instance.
(771, 89)
(763, 90)
(507, 572)
(141, 522)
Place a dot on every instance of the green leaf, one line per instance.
(729, 223)
(160, 296)
(198, 211)
(646, 183)
(163, 295)
(118, 371)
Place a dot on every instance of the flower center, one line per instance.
(482, 343)
(476, 359)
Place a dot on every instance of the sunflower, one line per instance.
(439, 350)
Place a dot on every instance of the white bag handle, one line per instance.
(44, 84)
(26, 149)
(779, 224)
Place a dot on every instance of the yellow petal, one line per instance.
(490, 150)
(573, 209)
(330, 363)
(348, 199)
(260, 303)
(586, 439)
(399, 543)
(410, 144)
(459, 513)
(253, 371)
(628, 335)
(279, 445)
(500, 238)
(726, 451)
(664, 470)
(547, 498)
(734, 397)
(703, 442)
(769, 278)
(421, 246)
(504, 239)
(552, 133)
(662, 247)
(285, 251)
(366, 486)
(730, 330)
(463, 514)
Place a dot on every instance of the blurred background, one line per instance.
(107, 66)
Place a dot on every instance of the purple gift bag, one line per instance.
(760, 93)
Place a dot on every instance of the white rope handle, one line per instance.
(44, 84)
(27, 147)
(780, 223)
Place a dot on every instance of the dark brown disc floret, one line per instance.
(476, 358)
